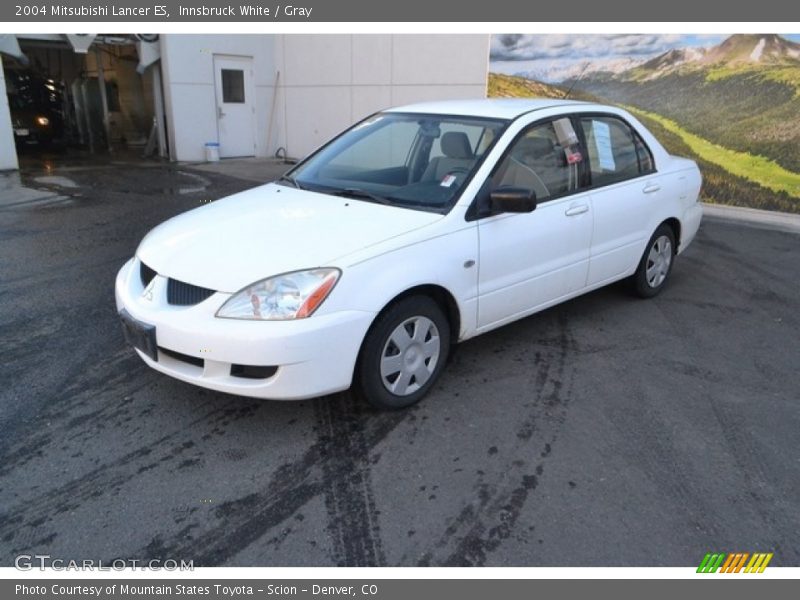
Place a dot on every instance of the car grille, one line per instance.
(146, 274)
(186, 294)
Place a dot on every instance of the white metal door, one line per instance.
(233, 80)
(622, 215)
(530, 260)
(626, 196)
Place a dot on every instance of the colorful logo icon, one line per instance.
(735, 562)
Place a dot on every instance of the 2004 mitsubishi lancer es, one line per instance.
(417, 228)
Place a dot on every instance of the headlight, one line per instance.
(282, 297)
(43, 121)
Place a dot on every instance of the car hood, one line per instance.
(272, 229)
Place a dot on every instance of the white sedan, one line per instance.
(419, 227)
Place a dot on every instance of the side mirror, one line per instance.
(512, 200)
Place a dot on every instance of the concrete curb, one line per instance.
(765, 219)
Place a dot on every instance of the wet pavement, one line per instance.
(606, 431)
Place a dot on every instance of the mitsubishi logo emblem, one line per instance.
(147, 294)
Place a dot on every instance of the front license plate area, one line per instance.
(141, 336)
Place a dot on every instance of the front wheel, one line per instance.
(403, 354)
(656, 263)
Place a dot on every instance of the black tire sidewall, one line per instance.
(641, 287)
(368, 383)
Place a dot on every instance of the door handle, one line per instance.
(220, 114)
(576, 210)
(651, 187)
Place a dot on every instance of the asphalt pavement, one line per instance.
(606, 431)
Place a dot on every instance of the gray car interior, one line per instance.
(457, 157)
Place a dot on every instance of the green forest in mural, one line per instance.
(733, 106)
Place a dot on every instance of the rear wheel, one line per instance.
(403, 354)
(656, 263)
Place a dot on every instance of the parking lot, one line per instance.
(605, 431)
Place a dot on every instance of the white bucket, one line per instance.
(212, 151)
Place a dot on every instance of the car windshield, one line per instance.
(418, 161)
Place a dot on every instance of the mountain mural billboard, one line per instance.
(732, 103)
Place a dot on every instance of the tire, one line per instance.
(656, 263)
(403, 354)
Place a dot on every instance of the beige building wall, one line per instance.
(324, 82)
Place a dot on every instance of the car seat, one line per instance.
(458, 156)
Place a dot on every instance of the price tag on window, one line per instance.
(602, 141)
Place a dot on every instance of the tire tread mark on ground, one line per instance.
(72, 494)
(501, 505)
(246, 520)
(760, 491)
(735, 433)
(80, 385)
(349, 499)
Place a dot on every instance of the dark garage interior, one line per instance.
(95, 99)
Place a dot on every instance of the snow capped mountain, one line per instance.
(736, 52)
(557, 71)
(669, 62)
(753, 48)
(675, 58)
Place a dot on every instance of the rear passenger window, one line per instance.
(615, 151)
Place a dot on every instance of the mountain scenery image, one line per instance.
(732, 103)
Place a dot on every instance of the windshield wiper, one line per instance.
(290, 180)
(361, 194)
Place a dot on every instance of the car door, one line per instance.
(625, 192)
(530, 260)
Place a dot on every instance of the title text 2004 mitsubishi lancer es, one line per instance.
(417, 228)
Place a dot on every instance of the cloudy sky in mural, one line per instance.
(557, 57)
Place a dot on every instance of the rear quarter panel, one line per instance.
(690, 182)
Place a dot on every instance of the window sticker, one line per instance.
(602, 141)
(448, 180)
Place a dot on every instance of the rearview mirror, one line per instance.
(513, 200)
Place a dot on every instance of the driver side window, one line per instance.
(538, 162)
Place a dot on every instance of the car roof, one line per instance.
(496, 108)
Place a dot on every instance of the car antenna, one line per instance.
(576, 80)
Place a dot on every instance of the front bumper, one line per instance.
(313, 356)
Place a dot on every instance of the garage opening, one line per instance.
(89, 95)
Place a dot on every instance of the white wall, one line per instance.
(187, 63)
(8, 153)
(326, 83)
(331, 81)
